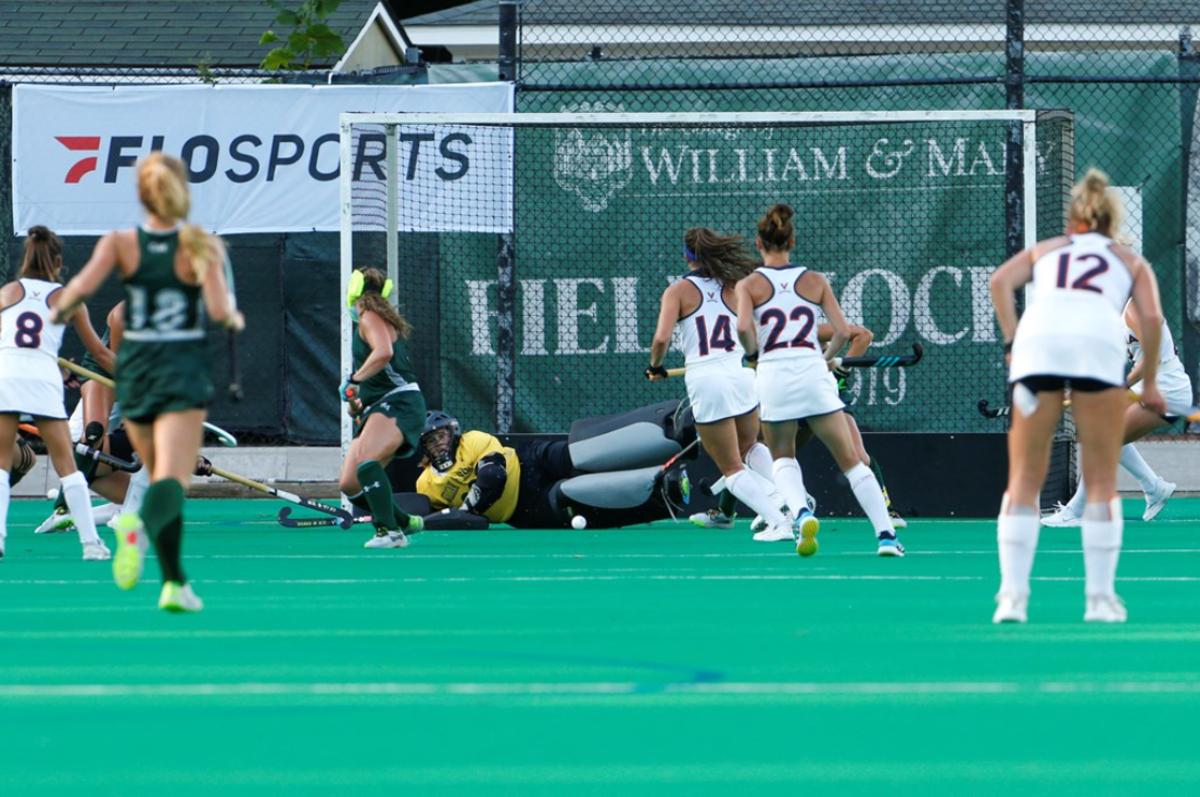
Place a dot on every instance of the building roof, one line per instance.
(814, 12)
(146, 33)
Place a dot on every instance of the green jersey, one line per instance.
(163, 362)
(89, 362)
(397, 375)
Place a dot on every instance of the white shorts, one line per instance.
(32, 386)
(721, 389)
(1070, 336)
(796, 387)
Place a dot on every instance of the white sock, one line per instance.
(870, 498)
(1102, 531)
(790, 483)
(1076, 504)
(758, 459)
(75, 491)
(1131, 460)
(5, 495)
(105, 513)
(138, 483)
(1017, 537)
(755, 492)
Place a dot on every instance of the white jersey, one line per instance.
(26, 326)
(1172, 380)
(30, 381)
(1072, 326)
(786, 322)
(708, 333)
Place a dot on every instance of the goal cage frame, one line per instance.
(1021, 197)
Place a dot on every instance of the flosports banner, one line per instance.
(260, 158)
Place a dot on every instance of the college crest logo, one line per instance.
(593, 163)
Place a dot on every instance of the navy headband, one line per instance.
(689, 254)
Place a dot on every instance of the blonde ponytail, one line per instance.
(200, 248)
(163, 190)
(1095, 206)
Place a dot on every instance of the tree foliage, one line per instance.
(309, 39)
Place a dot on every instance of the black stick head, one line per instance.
(918, 352)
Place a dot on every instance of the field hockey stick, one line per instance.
(667, 465)
(284, 495)
(224, 437)
(287, 521)
(990, 412)
(116, 463)
(883, 360)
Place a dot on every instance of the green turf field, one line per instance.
(655, 660)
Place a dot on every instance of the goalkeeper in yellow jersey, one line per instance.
(471, 479)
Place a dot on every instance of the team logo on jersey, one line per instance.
(783, 286)
(157, 247)
(594, 164)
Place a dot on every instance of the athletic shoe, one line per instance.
(806, 527)
(387, 539)
(897, 521)
(712, 519)
(1063, 517)
(96, 552)
(758, 524)
(812, 503)
(60, 520)
(1011, 608)
(1157, 498)
(176, 597)
(1105, 609)
(778, 533)
(1, 547)
(889, 545)
(131, 551)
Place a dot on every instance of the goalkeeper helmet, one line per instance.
(439, 439)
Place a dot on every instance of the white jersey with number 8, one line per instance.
(1072, 326)
(30, 381)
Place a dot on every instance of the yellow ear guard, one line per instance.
(354, 289)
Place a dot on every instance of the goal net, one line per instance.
(530, 250)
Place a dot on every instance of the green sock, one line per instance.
(879, 478)
(162, 516)
(726, 503)
(377, 490)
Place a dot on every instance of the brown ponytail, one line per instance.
(775, 229)
(1094, 206)
(720, 257)
(42, 259)
(372, 300)
(163, 190)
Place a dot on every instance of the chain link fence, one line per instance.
(1127, 74)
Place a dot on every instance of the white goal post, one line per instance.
(393, 126)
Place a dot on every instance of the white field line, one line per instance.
(897, 689)
(775, 553)
(648, 576)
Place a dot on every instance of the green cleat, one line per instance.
(176, 597)
(131, 551)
